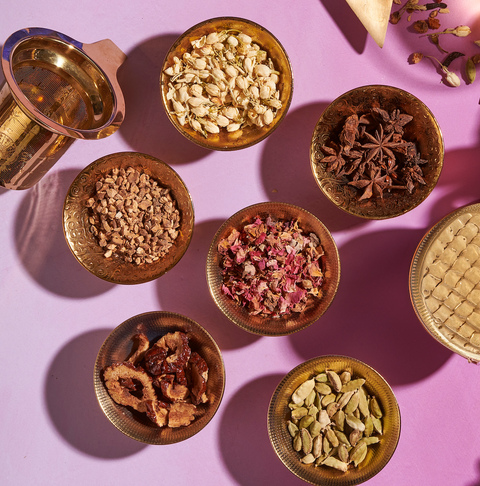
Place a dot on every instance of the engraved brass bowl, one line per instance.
(117, 348)
(423, 130)
(450, 311)
(83, 244)
(267, 41)
(316, 307)
(378, 454)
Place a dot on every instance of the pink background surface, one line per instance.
(55, 315)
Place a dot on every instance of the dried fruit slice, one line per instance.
(142, 344)
(197, 377)
(116, 374)
(172, 390)
(181, 413)
(178, 351)
(157, 412)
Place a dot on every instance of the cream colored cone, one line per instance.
(374, 15)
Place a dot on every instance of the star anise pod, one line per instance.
(334, 158)
(380, 145)
(373, 184)
(413, 174)
(393, 122)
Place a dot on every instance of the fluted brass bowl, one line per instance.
(423, 130)
(118, 346)
(83, 244)
(378, 454)
(445, 282)
(248, 136)
(316, 307)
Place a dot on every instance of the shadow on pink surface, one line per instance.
(72, 405)
(185, 290)
(286, 172)
(146, 127)
(381, 325)
(477, 482)
(244, 438)
(348, 23)
(371, 318)
(41, 245)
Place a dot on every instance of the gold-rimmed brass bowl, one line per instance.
(423, 130)
(378, 454)
(117, 348)
(316, 307)
(248, 136)
(86, 248)
(445, 282)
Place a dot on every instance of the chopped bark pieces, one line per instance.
(132, 217)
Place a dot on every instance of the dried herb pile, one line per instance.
(429, 27)
(271, 267)
(372, 155)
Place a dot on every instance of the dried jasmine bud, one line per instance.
(460, 31)
(450, 78)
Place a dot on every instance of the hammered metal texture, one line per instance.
(83, 244)
(449, 312)
(118, 346)
(423, 130)
(378, 455)
(268, 42)
(330, 264)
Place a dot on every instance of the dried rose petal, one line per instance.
(271, 267)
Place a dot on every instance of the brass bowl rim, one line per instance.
(320, 363)
(15, 41)
(205, 144)
(240, 321)
(101, 393)
(418, 304)
(353, 212)
(191, 221)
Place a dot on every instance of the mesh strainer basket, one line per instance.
(56, 90)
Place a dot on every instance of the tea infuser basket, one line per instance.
(56, 90)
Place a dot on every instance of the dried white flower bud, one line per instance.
(262, 70)
(462, 31)
(451, 78)
(244, 38)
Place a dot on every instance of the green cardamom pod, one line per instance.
(353, 385)
(470, 70)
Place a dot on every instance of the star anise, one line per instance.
(413, 174)
(393, 122)
(334, 158)
(371, 155)
(380, 145)
(372, 184)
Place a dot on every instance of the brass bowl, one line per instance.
(118, 346)
(378, 454)
(423, 130)
(445, 282)
(82, 242)
(316, 307)
(268, 42)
